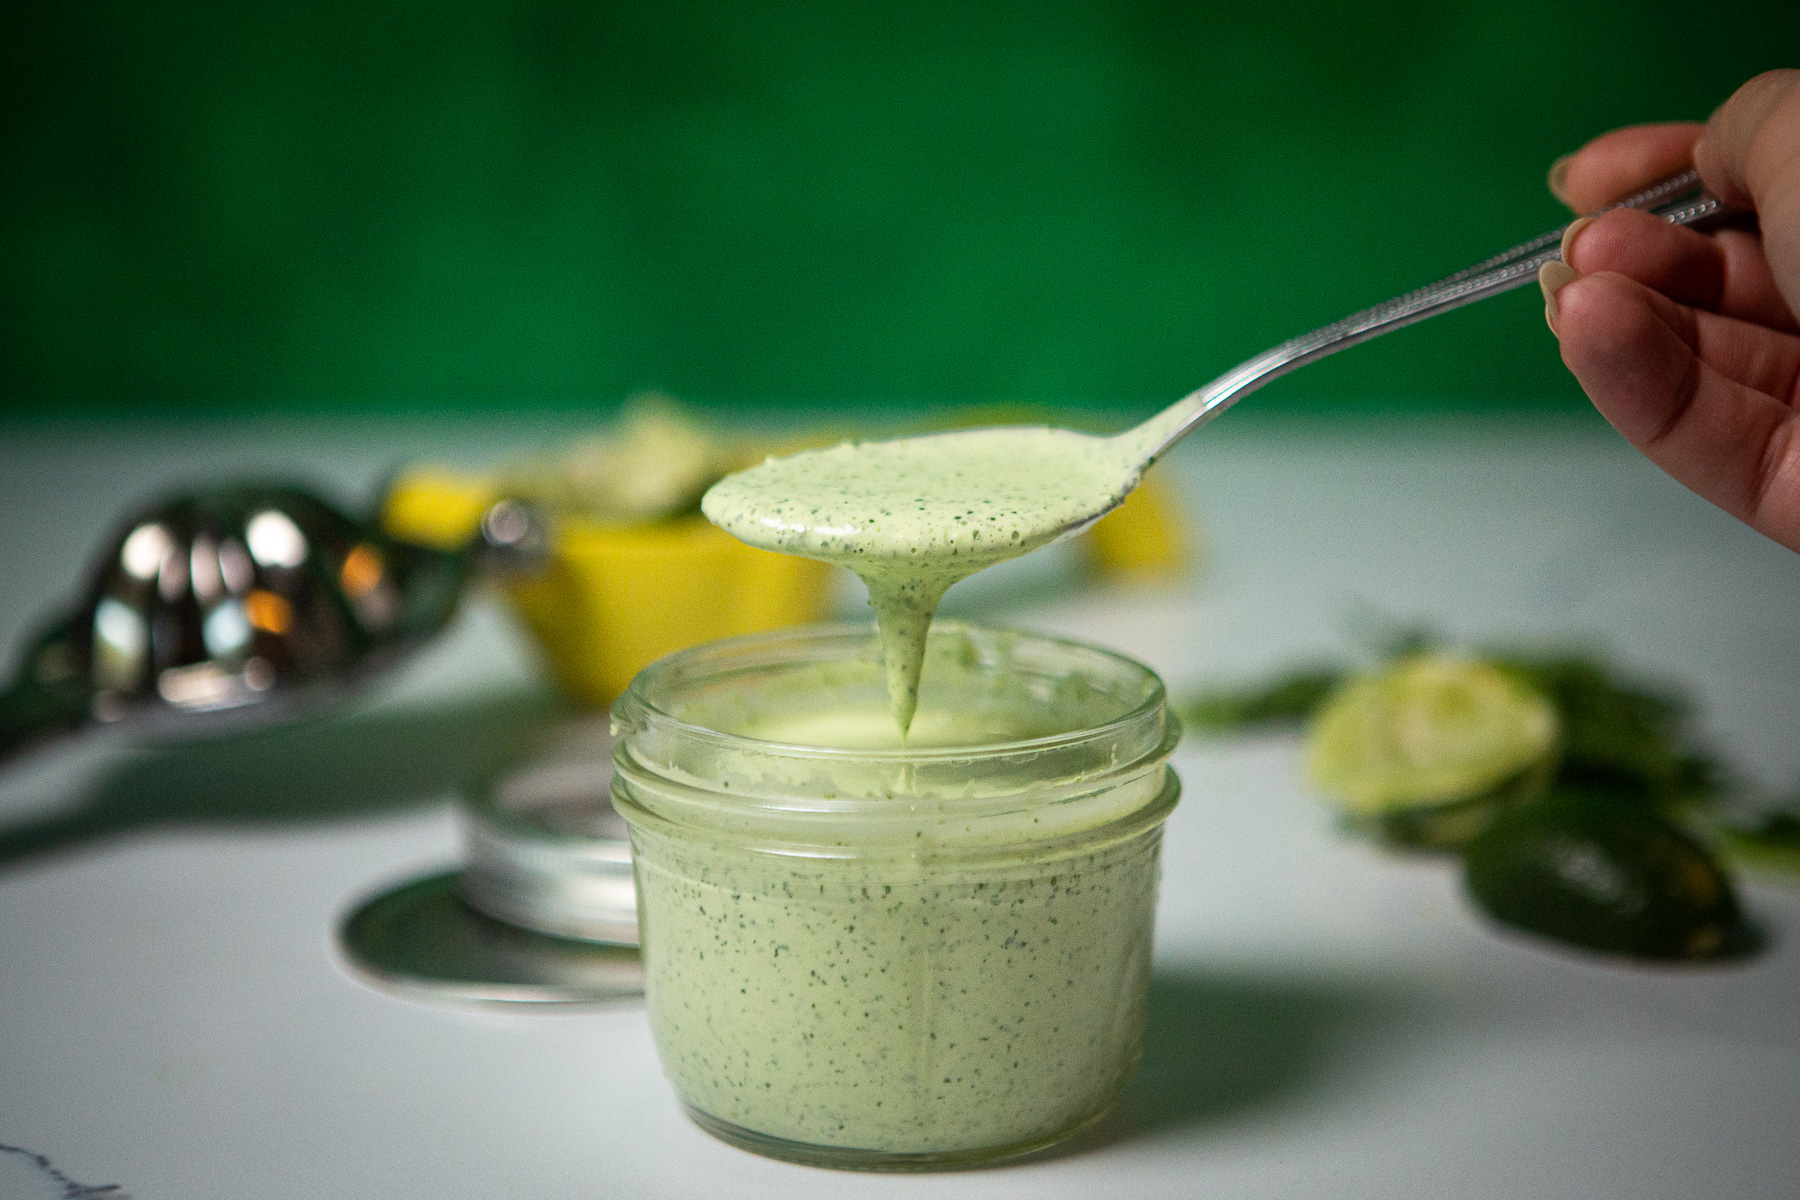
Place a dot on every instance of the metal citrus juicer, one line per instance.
(232, 608)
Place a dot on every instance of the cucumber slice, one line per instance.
(1432, 729)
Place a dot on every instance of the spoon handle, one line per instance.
(1680, 199)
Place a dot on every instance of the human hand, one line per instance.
(1688, 342)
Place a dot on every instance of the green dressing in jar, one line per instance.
(869, 953)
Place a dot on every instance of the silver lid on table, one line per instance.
(545, 850)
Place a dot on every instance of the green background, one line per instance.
(544, 204)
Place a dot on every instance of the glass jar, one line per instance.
(861, 952)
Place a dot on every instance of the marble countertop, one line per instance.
(1328, 1019)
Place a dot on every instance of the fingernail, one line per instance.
(1571, 233)
(1553, 277)
(1559, 174)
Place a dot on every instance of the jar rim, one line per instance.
(636, 696)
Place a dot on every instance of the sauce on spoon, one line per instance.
(913, 516)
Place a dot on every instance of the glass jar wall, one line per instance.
(868, 953)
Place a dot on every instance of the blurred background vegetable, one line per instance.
(1580, 800)
(1594, 871)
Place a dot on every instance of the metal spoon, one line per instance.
(1680, 199)
(970, 498)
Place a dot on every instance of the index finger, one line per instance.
(1751, 150)
(1616, 164)
(1750, 156)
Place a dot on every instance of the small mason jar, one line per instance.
(866, 952)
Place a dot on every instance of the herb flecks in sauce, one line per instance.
(911, 517)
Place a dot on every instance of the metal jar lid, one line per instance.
(545, 850)
(422, 942)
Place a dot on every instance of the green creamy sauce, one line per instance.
(936, 949)
(911, 517)
(860, 1004)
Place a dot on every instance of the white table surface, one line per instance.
(1328, 1019)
